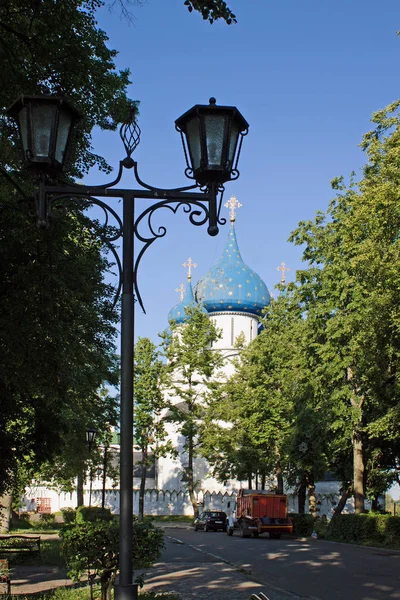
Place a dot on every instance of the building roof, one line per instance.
(230, 285)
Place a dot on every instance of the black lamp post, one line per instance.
(212, 137)
(90, 437)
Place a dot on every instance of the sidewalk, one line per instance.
(202, 580)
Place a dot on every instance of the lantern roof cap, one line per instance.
(211, 107)
(25, 99)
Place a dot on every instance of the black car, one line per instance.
(211, 520)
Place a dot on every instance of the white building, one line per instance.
(234, 296)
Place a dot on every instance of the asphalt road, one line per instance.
(304, 567)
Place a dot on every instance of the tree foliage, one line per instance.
(191, 365)
(350, 293)
(212, 10)
(57, 324)
(149, 429)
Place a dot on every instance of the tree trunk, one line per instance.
(343, 499)
(250, 480)
(107, 581)
(263, 480)
(5, 512)
(312, 499)
(103, 490)
(358, 461)
(374, 504)
(142, 484)
(357, 402)
(191, 479)
(279, 478)
(301, 496)
(79, 489)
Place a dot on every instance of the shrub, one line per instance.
(303, 525)
(95, 546)
(68, 515)
(90, 514)
(392, 531)
(47, 520)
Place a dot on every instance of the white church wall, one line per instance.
(232, 325)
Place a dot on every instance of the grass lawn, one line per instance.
(84, 594)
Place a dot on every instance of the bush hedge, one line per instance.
(68, 514)
(89, 514)
(365, 529)
(303, 525)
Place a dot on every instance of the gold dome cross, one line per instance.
(233, 204)
(189, 265)
(282, 267)
(181, 289)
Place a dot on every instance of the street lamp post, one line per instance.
(212, 136)
(90, 437)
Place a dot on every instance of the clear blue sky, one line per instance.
(306, 75)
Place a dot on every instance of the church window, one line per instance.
(251, 331)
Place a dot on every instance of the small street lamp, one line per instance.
(90, 437)
(212, 137)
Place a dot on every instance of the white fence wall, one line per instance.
(172, 502)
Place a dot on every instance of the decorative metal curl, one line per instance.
(108, 234)
(198, 215)
(160, 191)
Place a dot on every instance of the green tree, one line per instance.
(57, 324)
(350, 293)
(191, 365)
(149, 429)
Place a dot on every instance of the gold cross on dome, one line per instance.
(233, 204)
(181, 289)
(189, 265)
(282, 267)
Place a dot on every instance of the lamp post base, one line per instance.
(126, 592)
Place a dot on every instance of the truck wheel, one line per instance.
(275, 536)
(243, 531)
(229, 531)
(255, 534)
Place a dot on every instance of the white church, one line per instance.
(234, 297)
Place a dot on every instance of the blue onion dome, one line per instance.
(230, 285)
(178, 313)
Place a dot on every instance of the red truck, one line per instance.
(259, 511)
